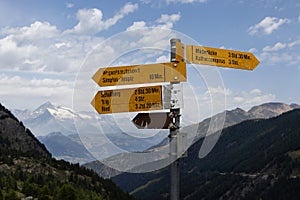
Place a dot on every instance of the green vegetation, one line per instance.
(145, 186)
(256, 159)
(46, 178)
(28, 170)
(294, 154)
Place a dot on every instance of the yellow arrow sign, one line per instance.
(139, 74)
(128, 100)
(220, 57)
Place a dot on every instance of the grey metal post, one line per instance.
(174, 130)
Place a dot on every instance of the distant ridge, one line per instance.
(68, 144)
(233, 117)
(255, 159)
(271, 109)
(63, 147)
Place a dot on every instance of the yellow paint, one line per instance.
(139, 74)
(220, 57)
(128, 100)
(175, 72)
(179, 52)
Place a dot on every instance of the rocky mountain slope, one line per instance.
(27, 169)
(255, 159)
(233, 117)
(48, 120)
(15, 136)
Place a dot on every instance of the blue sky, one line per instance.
(44, 43)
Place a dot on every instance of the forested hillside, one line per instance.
(28, 170)
(256, 159)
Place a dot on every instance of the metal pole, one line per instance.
(174, 167)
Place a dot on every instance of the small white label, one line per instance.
(173, 96)
(176, 96)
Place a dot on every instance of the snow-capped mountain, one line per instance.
(55, 127)
(48, 118)
(68, 144)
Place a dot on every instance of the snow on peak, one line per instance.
(61, 113)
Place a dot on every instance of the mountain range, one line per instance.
(48, 118)
(233, 117)
(55, 127)
(254, 159)
(28, 171)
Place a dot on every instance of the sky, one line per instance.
(45, 47)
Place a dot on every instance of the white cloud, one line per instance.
(199, 103)
(91, 20)
(268, 25)
(185, 1)
(294, 43)
(234, 99)
(36, 31)
(253, 50)
(246, 99)
(69, 5)
(28, 48)
(169, 18)
(137, 25)
(165, 21)
(162, 59)
(15, 91)
(282, 58)
(281, 54)
(299, 18)
(12, 54)
(276, 47)
(152, 34)
(168, 21)
(41, 47)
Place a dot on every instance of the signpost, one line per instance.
(220, 57)
(139, 74)
(162, 97)
(174, 129)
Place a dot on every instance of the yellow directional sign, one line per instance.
(128, 100)
(139, 74)
(220, 57)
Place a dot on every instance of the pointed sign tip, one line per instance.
(93, 102)
(255, 62)
(96, 77)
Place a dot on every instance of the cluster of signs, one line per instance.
(158, 97)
